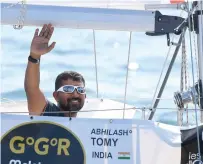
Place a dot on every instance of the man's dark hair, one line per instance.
(75, 76)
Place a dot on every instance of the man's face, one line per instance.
(71, 101)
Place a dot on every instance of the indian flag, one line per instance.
(123, 155)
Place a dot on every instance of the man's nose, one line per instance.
(75, 93)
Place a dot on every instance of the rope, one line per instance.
(187, 78)
(196, 119)
(95, 60)
(183, 75)
(184, 80)
(13, 4)
(126, 83)
(21, 18)
(182, 65)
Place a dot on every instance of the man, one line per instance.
(69, 86)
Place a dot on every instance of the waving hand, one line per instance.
(40, 42)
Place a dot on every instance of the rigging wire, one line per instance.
(95, 60)
(161, 74)
(193, 80)
(126, 83)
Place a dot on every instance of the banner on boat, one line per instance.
(189, 146)
(49, 140)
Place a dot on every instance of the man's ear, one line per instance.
(55, 95)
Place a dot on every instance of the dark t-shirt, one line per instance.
(52, 110)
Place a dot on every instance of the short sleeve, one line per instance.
(51, 109)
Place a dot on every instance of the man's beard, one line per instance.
(70, 106)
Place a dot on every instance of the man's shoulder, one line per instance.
(51, 105)
(51, 109)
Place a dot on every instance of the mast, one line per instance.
(200, 51)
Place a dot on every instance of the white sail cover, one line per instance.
(117, 4)
(92, 14)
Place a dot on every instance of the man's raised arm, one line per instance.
(39, 46)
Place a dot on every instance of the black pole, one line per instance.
(166, 77)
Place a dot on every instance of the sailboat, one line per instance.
(109, 133)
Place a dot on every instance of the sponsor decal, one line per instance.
(40, 142)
